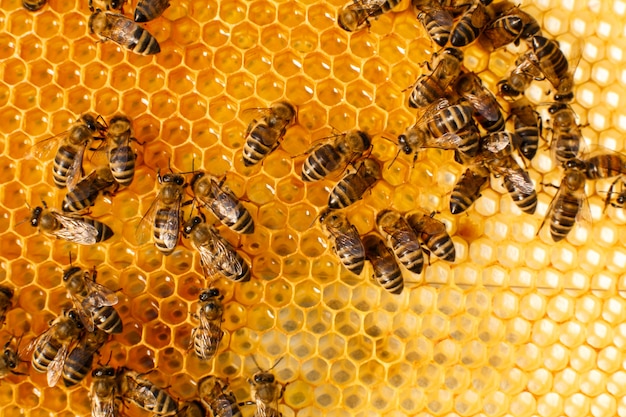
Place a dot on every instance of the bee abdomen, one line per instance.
(547, 49)
(143, 42)
(320, 163)
(165, 240)
(44, 354)
(450, 119)
(352, 260)
(107, 319)
(104, 231)
(147, 10)
(244, 275)
(410, 255)
(165, 405)
(79, 199)
(567, 147)
(255, 147)
(442, 247)
(564, 217)
(464, 33)
(527, 202)
(77, 366)
(62, 163)
(426, 91)
(122, 164)
(392, 280)
(244, 223)
(33, 5)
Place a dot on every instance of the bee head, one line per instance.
(263, 378)
(105, 371)
(70, 272)
(191, 224)
(89, 121)
(455, 52)
(73, 315)
(208, 294)
(404, 144)
(506, 89)
(36, 216)
(6, 291)
(574, 164)
(556, 107)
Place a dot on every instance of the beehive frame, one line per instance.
(517, 326)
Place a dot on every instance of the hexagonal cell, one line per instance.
(20, 23)
(79, 100)
(30, 48)
(244, 35)
(198, 57)
(222, 109)
(274, 37)
(157, 335)
(215, 33)
(240, 85)
(185, 31)
(170, 56)
(123, 77)
(142, 357)
(107, 101)
(359, 94)
(151, 79)
(15, 71)
(333, 41)
(24, 96)
(300, 89)
(57, 50)
(163, 104)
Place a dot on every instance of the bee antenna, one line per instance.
(276, 363)
(394, 158)
(256, 363)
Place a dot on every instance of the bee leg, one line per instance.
(607, 200)
(137, 141)
(427, 252)
(243, 403)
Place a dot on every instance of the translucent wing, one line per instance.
(143, 231)
(42, 339)
(485, 104)
(225, 203)
(55, 368)
(84, 313)
(520, 178)
(74, 173)
(210, 339)
(99, 295)
(447, 141)
(103, 407)
(218, 253)
(43, 149)
(75, 229)
(348, 238)
(140, 393)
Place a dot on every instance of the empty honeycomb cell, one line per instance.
(609, 360)
(344, 372)
(20, 22)
(300, 89)
(27, 396)
(185, 31)
(95, 75)
(15, 71)
(79, 100)
(30, 47)
(450, 301)
(354, 398)
(261, 317)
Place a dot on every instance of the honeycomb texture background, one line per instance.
(517, 326)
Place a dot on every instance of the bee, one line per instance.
(79, 361)
(486, 107)
(106, 5)
(437, 128)
(206, 337)
(9, 360)
(34, 5)
(468, 188)
(164, 215)
(511, 25)
(335, 154)
(616, 196)
(50, 349)
(192, 409)
(433, 235)
(144, 394)
(604, 163)
(351, 187)
(124, 32)
(70, 227)
(528, 125)
(85, 193)
(72, 145)
(569, 205)
(470, 25)
(356, 15)
(431, 87)
(345, 240)
(404, 241)
(263, 135)
(6, 302)
(93, 302)
(147, 10)
(216, 396)
(104, 392)
(120, 154)
(386, 270)
(567, 139)
(265, 392)
(437, 22)
(222, 202)
(216, 253)
(554, 65)
(526, 70)
(517, 182)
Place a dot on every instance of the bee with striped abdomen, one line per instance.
(120, 154)
(356, 14)
(345, 240)
(467, 189)
(351, 187)
(124, 32)
(433, 235)
(216, 396)
(10, 359)
(6, 302)
(429, 88)
(486, 107)
(555, 66)
(527, 123)
(217, 255)
(470, 25)
(386, 270)
(402, 238)
(206, 337)
(79, 361)
(87, 190)
(93, 302)
(265, 392)
(222, 202)
(335, 154)
(526, 70)
(144, 394)
(77, 229)
(147, 10)
(104, 392)
(510, 25)
(265, 132)
(567, 140)
(50, 349)
(437, 22)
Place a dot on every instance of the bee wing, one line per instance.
(75, 171)
(140, 393)
(485, 104)
(479, 17)
(55, 368)
(350, 238)
(225, 203)
(226, 257)
(75, 229)
(43, 149)
(103, 407)
(84, 310)
(43, 338)
(447, 141)
(143, 231)
(222, 407)
(520, 178)
(432, 109)
(210, 338)
(99, 295)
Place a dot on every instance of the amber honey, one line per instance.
(517, 325)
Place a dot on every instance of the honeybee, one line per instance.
(79, 361)
(216, 253)
(437, 128)
(470, 25)
(569, 205)
(403, 240)
(386, 270)
(526, 70)
(93, 302)
(351, 187)
(616, 195)
(263, 135)
(528, 124)
(345, 239)
(511, 25)
(50, 349)
(106, 5)
(6, 302)
(486, 108)
(72, 145)
(206, 337)
(9, 360)
(437, 22)
(147, 10)
(121, 155)
(104, 392)
(355, 15)
(164, 216)
(70, 227)
(468, 188)
(124, 32)
(431, 87)
(34, 5)
(265, 392)
(335, 154)
(555, 66)
(222, 202)
(216, 396)
(567, 140)
(144, 394)
(85, 193)
(517, 182)
(433, 235)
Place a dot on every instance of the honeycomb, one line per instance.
(517, 325)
